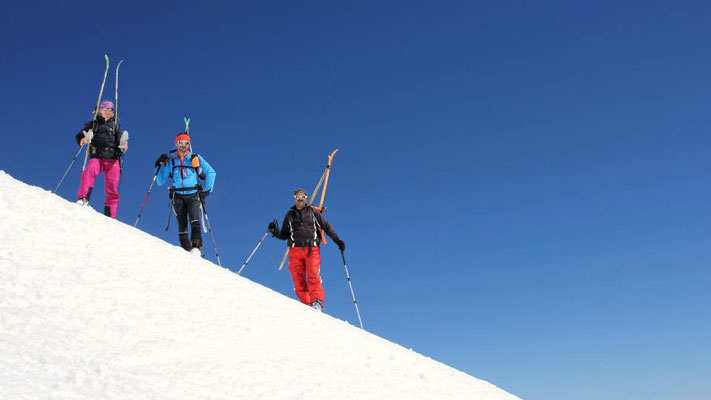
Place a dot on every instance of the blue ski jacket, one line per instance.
(187, 172)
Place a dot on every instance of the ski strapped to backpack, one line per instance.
(96, 109)
(320, 208)
(187, 130)
(82, 146)
(123, 138)
(116, 115)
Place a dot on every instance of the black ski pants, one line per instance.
(188, 205)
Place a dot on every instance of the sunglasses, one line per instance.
(107, 109)
(299, 197)
(183, 142)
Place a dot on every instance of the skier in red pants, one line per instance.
(302, 229)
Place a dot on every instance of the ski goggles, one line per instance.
(299, 197)
(107, 109)
(183, 142)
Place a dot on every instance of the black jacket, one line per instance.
(107, 135)
(301, 228)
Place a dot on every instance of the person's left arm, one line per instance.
(210, 174)
(326, 227)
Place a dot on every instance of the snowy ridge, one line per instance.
(91, 308)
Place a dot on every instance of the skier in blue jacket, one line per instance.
(186, 169)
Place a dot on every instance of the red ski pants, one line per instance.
(305, 273)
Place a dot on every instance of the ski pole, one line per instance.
(146, 199)
(351, 286)
(169, 211)
(202, 221)
(253, 251)
(68, 168)
(209, 228)
(118, 188)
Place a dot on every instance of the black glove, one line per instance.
(163, 159)
(204, 193)
(273, 227)
(341, 245)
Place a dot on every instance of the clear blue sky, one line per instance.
(523, 188)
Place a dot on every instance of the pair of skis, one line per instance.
(98, 102)
(187, 131)
(96, 111)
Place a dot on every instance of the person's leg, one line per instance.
(313, 281)
(297, 268)
(181, 214)
(87, 178)
(194, 211)
(112, 173)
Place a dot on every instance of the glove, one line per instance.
(341, 245)
(124, 138)
(88, 135)
(123, 141)
(273, 227)
(163, 159)
(204, 193)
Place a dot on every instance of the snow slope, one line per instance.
(91, 308)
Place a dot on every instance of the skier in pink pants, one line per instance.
(106, 145)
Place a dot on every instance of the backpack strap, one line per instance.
(195, 162)
(320, 230)
(194, 165)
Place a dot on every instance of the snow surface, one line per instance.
(91, 308)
